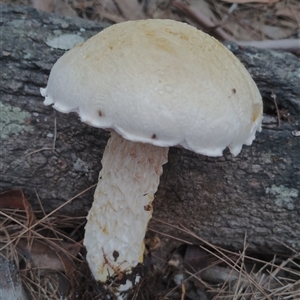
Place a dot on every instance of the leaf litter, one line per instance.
(46, 256)
(48, 252)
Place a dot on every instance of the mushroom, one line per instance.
(154, 84)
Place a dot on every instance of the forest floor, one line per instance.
(55, 268)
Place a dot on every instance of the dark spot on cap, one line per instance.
(148, 207)
(100, 113)
(115, 255)
(153, 137)
(233, 91)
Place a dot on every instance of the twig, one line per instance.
(39, 150)
(289, 45)
(183, 291)
(273, 96)
(55, 134)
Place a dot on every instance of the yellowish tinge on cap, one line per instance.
(162, 79)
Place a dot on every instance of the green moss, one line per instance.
(13, 121)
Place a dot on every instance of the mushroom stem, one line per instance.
(122, 207)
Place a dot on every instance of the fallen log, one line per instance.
(55, 157)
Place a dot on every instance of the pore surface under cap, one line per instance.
(161, 82)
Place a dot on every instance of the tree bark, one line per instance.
(256, 194)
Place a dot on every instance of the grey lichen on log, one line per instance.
(256, 194)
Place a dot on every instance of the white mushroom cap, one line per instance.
(161, 82)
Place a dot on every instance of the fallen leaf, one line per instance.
(276, 32)
(15, 199)
(62, 8)
(44, 5)
(287, 12)
(195, 259)
(131, 10)
(40, 254)
(49, 254)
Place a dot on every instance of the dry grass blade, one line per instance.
(46, 255)
(28, 229)
(240, 276)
